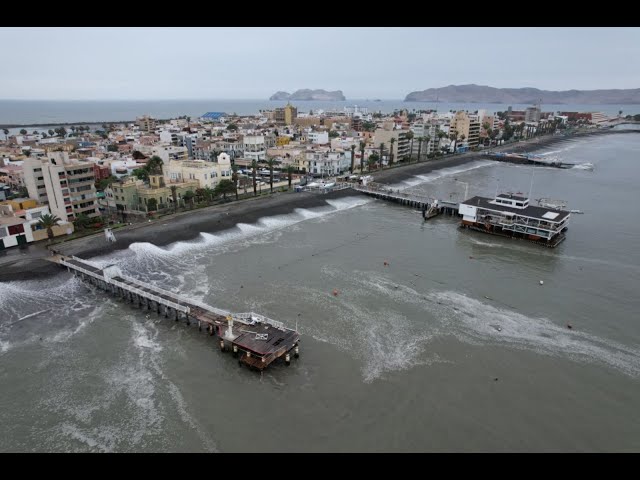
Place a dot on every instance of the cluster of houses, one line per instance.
(95, 170)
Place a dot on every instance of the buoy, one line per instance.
(335, 292)
(386, 264)
(495, 379)
(569, 326)
(541, 282)
(470, 257)
(499, 329)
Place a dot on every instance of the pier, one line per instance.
(258, 341)
(430, 207)
(525, 159)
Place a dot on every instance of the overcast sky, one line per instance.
(253, 63)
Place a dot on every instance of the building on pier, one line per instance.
(511, 216)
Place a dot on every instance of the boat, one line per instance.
(576, 211)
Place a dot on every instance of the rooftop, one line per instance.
(540, 213)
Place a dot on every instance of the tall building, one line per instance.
(146, 123)
(468, 125)
(286, 115)
(69, 185)
(532, 114)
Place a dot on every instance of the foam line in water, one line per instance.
(245, 230)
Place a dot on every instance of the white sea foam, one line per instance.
(387, 341)
(242, 231)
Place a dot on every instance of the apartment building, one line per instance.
(146, 123)
(400, 146)
(66, 184)
(286, 115)
(468, 125)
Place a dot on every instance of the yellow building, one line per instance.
(286, 115)
(20, 203)
(281, 141)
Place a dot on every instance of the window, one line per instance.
(3, 232)
(16, 229)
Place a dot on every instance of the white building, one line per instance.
(167, 153)
(121, 168)
(327, 163)
(254, 147)
(207, 174)
(318, 138)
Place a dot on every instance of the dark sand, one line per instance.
(31, 263)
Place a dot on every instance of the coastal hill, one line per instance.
(306, 95)
(483, 94)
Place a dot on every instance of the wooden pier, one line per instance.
(257, 340)
(430, 207)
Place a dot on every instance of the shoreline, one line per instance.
(185, 226)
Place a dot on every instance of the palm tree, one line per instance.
(454, 138)
(208, 193)
(290, 170)
(174, 196)
(51, 132)
(6, 132)
(372, 160)
(234, 178)
(462, 137)
(487, 130)
(254, 167)
(353, 159)
(420, 140)
(410, 137)
(48, 221)
(271, 162)
(392, 141)
(362, 145)
(381, 149)
(427, 139)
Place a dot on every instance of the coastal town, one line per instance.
(73, 180)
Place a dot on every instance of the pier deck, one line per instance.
(257, 339)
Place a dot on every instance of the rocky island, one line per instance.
(309, 95)
(483, 94)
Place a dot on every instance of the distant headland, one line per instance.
(483, 94)
(309, 95)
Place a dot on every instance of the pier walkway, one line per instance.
(256, 339)
(429, 206)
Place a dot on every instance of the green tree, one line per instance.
(23, 132)
(372, 160)
(152, 205)
(454, 138)
(82, 221)
(188, 197)
(141, 173)
(154, 165)
(290, 170)
(35, 132)
(381, 153)
(48, 221)
(208, 193)
(51, 132)
(6, 132)
(27, 152)
(362, 147)
(333, 134)
(420, 140)
(112, 148)
(223, 187)
(105, 182)
(44, 135)
(410, 137)
(232, 126)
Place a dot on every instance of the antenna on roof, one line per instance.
(531, 186)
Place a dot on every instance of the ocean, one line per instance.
(45, 112)
(453, 345)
